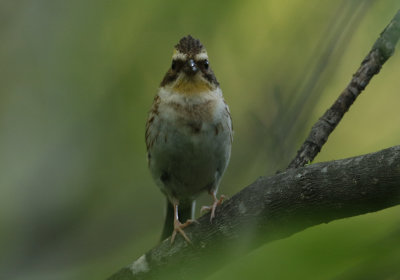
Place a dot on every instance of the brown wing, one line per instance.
(230, 124)
(152, 115)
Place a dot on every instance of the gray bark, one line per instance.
(272, 208)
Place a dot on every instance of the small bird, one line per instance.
(188, 135)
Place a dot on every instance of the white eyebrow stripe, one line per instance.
(180, 56)
(201, 56)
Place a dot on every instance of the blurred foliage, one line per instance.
(78, 77)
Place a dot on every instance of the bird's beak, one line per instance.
(190, 68)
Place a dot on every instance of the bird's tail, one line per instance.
(185, 211)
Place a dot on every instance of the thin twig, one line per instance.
(371, 65)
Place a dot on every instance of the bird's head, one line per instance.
(190, 72)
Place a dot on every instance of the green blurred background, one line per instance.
(77, 79)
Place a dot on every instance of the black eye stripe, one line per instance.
(203, 63)
(177, 64)
(206, 63)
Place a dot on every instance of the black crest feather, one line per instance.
(189, 45)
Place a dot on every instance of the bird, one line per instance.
(188, 136)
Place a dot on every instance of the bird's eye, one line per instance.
(205, 63)
(173, 65)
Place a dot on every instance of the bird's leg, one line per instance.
(214, 205)
(178, 226)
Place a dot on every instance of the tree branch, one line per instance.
(371, 65)
(273, 208)
(277, 206)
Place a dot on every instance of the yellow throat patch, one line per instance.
(191, 86)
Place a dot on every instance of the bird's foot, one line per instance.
(178, 227)
(213, 206)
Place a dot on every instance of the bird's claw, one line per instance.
(178, 227)
(213, 206)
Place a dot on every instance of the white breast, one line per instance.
(193, 143)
